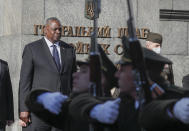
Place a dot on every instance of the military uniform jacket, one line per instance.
(128, 115)
(81, 106)
(6, 95)
(63, 120)
(154, 116)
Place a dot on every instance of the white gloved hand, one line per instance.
(181, 110)
(52, 101)
(107, 112)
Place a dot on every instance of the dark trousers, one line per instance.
(2, 126)
(39, 125)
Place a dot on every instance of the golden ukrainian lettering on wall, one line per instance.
(103, 32)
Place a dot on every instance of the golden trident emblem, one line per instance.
(89, 9)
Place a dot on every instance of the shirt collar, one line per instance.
(49, 43)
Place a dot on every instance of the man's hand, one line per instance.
(25, 117)
(22, 123)
(107, 112)
(181, 110)
(52, 101)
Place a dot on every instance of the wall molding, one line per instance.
(174, 15)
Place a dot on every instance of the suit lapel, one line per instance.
(48, 54)
(63, 53)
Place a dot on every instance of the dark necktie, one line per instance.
(56, 57)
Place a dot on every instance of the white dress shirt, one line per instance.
(49, 44)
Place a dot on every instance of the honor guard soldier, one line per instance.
(154, 42)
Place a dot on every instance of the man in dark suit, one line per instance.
(6, 97)
(47, 63)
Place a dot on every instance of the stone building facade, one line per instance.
(21, 22)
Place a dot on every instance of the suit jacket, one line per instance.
(39, 70)
(6, 95)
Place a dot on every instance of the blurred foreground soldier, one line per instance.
(48, 64)
(185, 81)
(53, 107)
(154, 42)
(123, 111)
(6, 97)
(169, 111)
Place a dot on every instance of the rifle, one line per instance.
(136, 53)
(94, 58)
(145, 88)
(92, 10)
